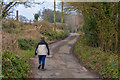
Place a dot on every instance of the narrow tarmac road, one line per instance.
(61, 63)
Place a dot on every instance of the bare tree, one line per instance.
(6, 7)
(22, 18)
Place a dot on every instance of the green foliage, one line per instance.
(26, 44)
(36, 16)
(8, 31)
(13, 66)
(58, 35)
(101, 24)
(106, 63)
(0, 65)
(28, 53)
(90, 30)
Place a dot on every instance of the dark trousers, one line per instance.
(42, 59)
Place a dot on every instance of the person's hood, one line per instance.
(42, 41)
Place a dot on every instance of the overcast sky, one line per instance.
(29, 12)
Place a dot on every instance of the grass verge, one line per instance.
(14, 66)
(105, 63)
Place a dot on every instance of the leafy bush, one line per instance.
(90, 29)
(58, 35)
(26, 44)
(13, 66)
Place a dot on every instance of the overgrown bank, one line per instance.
(105, 63)
(19, 42)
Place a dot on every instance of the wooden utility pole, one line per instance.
(54, 15)
(17, 15)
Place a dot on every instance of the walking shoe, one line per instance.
(43, 69)
(39, 66)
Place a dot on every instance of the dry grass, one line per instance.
(27, 31)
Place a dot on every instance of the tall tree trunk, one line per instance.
(54, 15)
(62, 13)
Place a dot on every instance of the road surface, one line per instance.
(61, 63)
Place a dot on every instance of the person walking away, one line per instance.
(42, 50)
